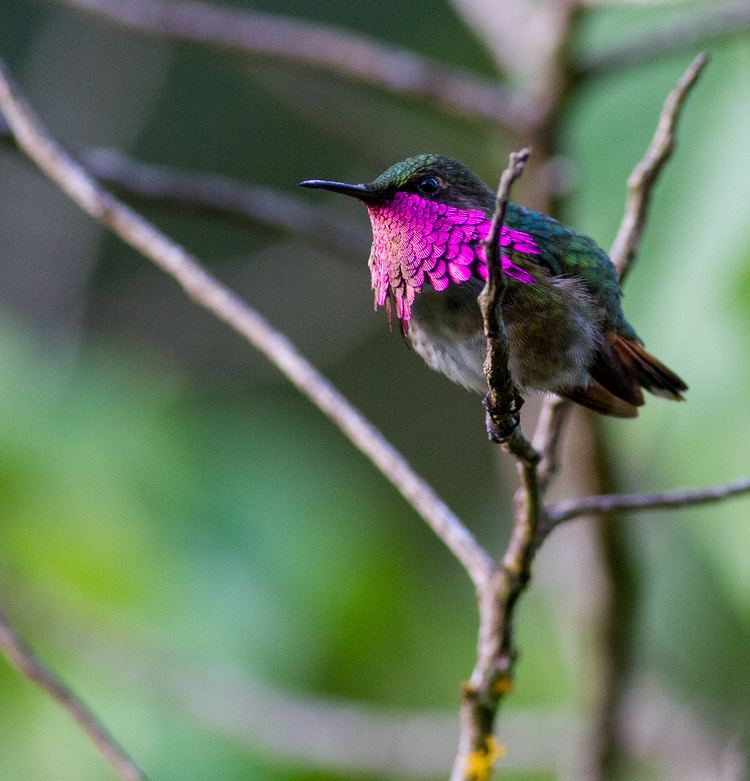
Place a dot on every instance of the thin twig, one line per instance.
(696, 29)
(320, 46)
(644, 176)
(546, 439)
(26, 662)
(209, 293)
(661, 500)
(491, 678)
(503, 401)
(624, 249)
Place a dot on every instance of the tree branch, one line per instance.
(546, 439)
(722, 20)
(623, 252)
(209, 293)
(662, 500)
(491, 678)
(226, 198)
(644, 176)
(218, 195)
(503, 401)
(25, 661)
(352, 738)
(320, 46)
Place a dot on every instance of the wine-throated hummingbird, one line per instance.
(565, 326)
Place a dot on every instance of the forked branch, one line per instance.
(492, 676)
(625, 246)
(498, 585)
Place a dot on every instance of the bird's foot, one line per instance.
(503, 421)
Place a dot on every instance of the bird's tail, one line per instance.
(650, 373)
(622, 367)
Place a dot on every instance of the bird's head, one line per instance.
(434, 178)
(429, 216)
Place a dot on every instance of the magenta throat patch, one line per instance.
(415, 241)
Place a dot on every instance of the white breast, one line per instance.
(459, 358)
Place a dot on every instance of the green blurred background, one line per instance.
(229, 584)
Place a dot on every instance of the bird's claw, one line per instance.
(501, 430)
(501, 424)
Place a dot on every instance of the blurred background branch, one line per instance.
(695, 29)
(320, 46)
(225, 198)
(26, 662)
(220, 196)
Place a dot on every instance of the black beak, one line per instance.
(359, 191)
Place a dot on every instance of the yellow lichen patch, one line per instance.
(479, 763)
(503, 685)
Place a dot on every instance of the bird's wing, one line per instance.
(566, 253)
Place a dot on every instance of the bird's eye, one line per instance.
(429, 185)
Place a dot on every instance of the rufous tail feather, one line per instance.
(622, 367)
(599, 399)
(651, 373)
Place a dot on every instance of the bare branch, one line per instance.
(353, 738)
(644, 176)
(225, 197)
(25, 661)
(625, 246)
(209, 293)
(220, 196)
(697, 29)
(662, 500)
(319, 46)
(503, 401)
(491, 678)
(623, 252)
(546, 439)
(614, 607)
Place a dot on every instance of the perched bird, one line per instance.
(566, 330)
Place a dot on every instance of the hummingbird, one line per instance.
(566, 330)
